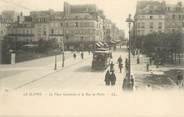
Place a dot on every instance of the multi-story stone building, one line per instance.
(111, 32)
(155, 16)
(9, 16)
(21, 31)
(107, 30)
(83, 25)
(43, 25)
(6, 19)
(149, 17)
(48, 24)
(79, 26)
(174, 14)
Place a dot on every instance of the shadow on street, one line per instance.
(86, 68)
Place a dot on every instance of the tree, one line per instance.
(47, 45)
(161, 45)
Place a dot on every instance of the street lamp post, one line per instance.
(55, 66)
(127, 84)
(63, 48)
(63, 51)
(129, 20)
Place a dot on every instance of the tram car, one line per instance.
(101, 59)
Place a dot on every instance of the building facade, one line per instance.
(78, 26)
(7, 18)
(48, 24)
(111, 32)
(40, 25)
(23, 32)
(159, 17)
(149, 18)
(83, 25)
(174, 18)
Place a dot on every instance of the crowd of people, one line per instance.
(110, 77)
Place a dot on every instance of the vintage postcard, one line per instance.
(91, 58)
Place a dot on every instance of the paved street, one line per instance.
(42, 63)
(77, 75)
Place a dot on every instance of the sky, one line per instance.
(115, 10)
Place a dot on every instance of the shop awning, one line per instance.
(99, 44)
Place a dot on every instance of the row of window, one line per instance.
(3, 25)
(52, 31)
(81, 17)
(174, 9)
(42, 20)
(179, 17)
(143, 32)
(24, 31)
(80, 32)
(151, 25)
(173, 16)
(150, 17)
(80, 24)
(85, 31)
(82, 38)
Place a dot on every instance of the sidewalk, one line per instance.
(24, 78)
(36, 64)
(155, 77)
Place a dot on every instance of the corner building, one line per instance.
(158, 17)
(83, 26)
(149, 18)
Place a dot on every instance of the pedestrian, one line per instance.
(179, 79)
(113, 78)
(138, 60)
(126, 61)
(147, 67)
(125, 85)
(131, 82)
(107, 78)
(148, 87)
(120, 60)
(150, 60)
(157, 64)
(133, 53)
(82, 55)
(126, 82)
(74, 55)
(120, 67)
(111, 66)
(111, 56)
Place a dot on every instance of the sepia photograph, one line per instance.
(91, 58)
